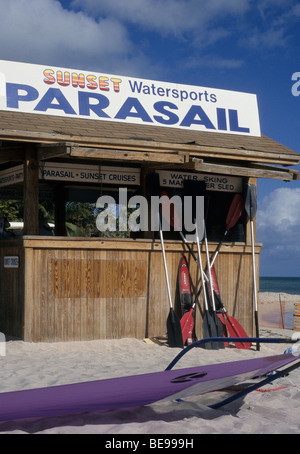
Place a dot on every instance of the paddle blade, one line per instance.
(187, 325)
(209, 330)
(250, 200)
(219, 328)
(236, 330)
(235, 211)
(184, 286)
(174, 330)
(221, 317)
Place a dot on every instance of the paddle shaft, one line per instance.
(209, 271)
(173, 322)
(233, 215)
(208, 324)
(254, 285)
(251, 207)
(165, 266)
(199, 262)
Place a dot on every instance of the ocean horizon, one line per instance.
(290, 285)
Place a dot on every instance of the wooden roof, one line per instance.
(190, 146)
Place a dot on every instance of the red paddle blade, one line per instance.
(236, 330)
(235, 211)
(167, 209)
(185, 287)
(187, 324)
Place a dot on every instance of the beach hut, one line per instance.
(79, 137)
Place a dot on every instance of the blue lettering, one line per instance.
(190, 118)
(175, 93)
(222, 123)
(234, 122)
(85, 106)
(139, 111)
(47, 102)
(135, 86)
(160, 107)
(15, 93)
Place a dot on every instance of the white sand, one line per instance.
(28, 365)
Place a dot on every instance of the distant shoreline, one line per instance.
(276, 308)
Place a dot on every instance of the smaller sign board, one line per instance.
(11, 261)
(220, 183)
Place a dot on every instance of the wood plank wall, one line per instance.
(84, 290)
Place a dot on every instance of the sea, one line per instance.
(289, 285)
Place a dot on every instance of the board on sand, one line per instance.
(137, 390)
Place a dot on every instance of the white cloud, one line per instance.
(44, 32)
(280, 209)
(166, 16)
(102, 36)
(278, 222)
(278, 228)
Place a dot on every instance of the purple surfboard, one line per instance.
(134, 390)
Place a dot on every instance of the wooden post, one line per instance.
(31, 192)
(248, 229)
(60, 209)
(147, 234)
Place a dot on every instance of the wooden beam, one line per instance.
(56, 150)
(198, 150)
(121, 155)
(11, 154)
(255, 172)
(31, 192)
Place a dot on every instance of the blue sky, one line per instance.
(241, 45)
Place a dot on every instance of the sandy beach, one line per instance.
(276, 309)
(274, 409)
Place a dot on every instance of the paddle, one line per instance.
(184, 283)
(233, 326)
(251, 208)
(219, 311)
(217, 321)
(233, 215)
(173, 323)
(187, 320)
(209, 326)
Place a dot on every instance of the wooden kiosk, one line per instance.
(63, 288)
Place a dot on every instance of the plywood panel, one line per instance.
(11, 293)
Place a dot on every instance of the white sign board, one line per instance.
(221, 183)
(85, 94)
(78, 173)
